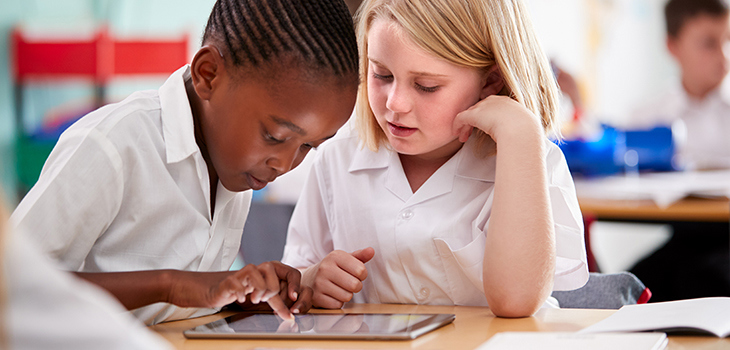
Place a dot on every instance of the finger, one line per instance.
(271, 278)
(304, 303)
(325, 301)
(364, 255)
(465, 133)
(252, 283)
(292, 276)
(280, 308)
(334, 281)
(330, 297)
(353, 266)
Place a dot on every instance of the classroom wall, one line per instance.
(126, 18)
(614, 48)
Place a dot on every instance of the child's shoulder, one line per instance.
(140, 105)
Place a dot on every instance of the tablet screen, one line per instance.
(323, 326)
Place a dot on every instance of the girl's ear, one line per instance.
(493, 82)
(672, 46)
(206, 70)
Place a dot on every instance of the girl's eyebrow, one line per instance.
(416, 73)
(289, 125)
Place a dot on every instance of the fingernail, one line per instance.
(294, 295)
(295, 311)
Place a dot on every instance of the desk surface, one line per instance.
(687, 209)
(472, 327)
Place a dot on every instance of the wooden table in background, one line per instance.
(472, 327)
(687, 209)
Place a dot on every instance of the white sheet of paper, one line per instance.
(574, 341)
(703, 314)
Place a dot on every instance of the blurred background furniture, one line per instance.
(95, 59)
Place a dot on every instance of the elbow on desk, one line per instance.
(511, 303)
(513, 310)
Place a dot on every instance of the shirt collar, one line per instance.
(177, 117)
(469, 165)
(725, 90)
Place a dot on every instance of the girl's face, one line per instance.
(414, 95)
(257, 130)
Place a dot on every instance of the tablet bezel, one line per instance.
(434, 321)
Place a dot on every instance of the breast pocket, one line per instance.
(463, 265)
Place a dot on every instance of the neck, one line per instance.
(418, 168)
(697, 91)
(196, 106)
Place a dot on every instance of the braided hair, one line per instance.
(317, 34)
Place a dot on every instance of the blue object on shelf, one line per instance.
(654, 147)
(606, 155)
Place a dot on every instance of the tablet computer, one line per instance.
(322, 326)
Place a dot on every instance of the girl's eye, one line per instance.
(308, 146)
(272, 139)
(427, 88)
(382, 77)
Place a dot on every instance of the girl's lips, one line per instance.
(255, 183)
(400, 131)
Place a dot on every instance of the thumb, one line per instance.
(364, 255)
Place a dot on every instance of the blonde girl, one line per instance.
(449, 192)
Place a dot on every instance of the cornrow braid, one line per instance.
(319, 33)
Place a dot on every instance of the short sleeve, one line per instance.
(75, 199)
(571, 270)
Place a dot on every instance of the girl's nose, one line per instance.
(398, 99)
(285, 160)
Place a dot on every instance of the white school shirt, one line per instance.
(429, 245)
(47, 308)
(702, 135)
(126, 188)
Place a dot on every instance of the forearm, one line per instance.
(134, 288)
(519, 255)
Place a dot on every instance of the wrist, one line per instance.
(166, 283)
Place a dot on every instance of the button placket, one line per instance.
(406, 214)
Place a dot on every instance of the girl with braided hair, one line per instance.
(148, 197)
(449, 191)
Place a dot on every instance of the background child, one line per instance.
(696, 260)
(698, 32)
(148, 197)
(492, 221)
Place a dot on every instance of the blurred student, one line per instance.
(698, 38)
(450, 192)
(148, 197)
(696, 260)
(42, 307)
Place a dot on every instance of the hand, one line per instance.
(255, 283)
(337, 277)
(300, 305)
(496, 115)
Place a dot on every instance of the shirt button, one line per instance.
(423, 293)
(406, 215)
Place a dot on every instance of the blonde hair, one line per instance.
(469, 33)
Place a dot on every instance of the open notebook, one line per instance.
(702, 315)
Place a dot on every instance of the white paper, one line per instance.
(574, 341)
(663, 188)
(703, 314)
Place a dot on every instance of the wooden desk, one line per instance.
(472, 327)
(688, 209)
